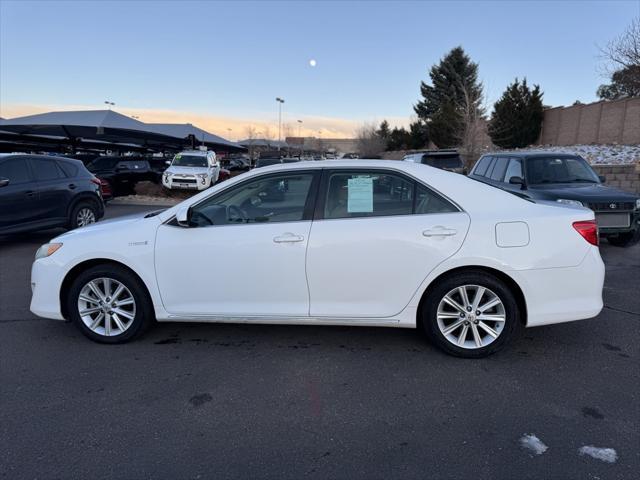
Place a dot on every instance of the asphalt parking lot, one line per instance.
(242, 401)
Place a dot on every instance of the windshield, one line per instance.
(542, 170)
(181, 160)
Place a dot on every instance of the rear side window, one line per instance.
(16, 170)
(430, 202)
(482, 166)
(46, 169)
(368, 194)
(69, 169)
(514, 169)
(499, 168)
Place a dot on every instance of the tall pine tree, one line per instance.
(454, 83)
(517, 116)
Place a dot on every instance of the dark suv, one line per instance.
(38, 192)
(568, 179)
(123, 173)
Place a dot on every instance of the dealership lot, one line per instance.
(221, 401)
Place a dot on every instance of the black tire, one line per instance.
(627, 239)
(144, 313)
(512, 324)
(83, 204)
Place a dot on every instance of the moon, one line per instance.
(312, 62)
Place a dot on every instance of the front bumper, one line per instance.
(176, 184)
(634, 225)
(46, 282)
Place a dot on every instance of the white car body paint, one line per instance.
(366, 271)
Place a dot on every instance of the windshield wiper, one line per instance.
(581, 180)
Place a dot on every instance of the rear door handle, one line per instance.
(288, 238)
(439, 232)
(30, 193)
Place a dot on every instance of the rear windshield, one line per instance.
(541, 170)
(103, 163)
(443, 161)
(182, 160)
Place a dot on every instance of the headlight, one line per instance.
(202, 175)
(566, 201)
(638, 204)
(47, 249)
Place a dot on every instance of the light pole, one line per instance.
(301, 139)
(280, 102)
(109, 104)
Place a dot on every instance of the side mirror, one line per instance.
(4, 182)
(183, 216)
(517, 181)
(602, 178)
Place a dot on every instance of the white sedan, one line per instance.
(356, 242)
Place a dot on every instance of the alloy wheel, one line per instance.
(471, 316)
(106, 306)
(85, 217)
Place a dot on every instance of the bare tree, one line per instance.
(472, 124)
(624, 51)
(369, 143)
(251, 134)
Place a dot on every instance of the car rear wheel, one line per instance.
(471, 314)
(109, 304)
(83, 214)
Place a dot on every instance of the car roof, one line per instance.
(195, 152)
(531, 154)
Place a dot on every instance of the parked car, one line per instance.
(122, 173)
(265, 162)
(444, 159)
(357, 242)
(192, 170)
(567, 179)
(237, 165)
(39, 192)
(105, 190)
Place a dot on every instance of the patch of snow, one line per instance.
(608, 455)
(533, 443)
(597, 154)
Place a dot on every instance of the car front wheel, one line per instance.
(109, 304)
(471, 314)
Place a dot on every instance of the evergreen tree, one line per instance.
(383, 131)
(517, 116)
(624, 83)
(418, 135)
(455, 89)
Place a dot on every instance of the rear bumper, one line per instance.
(557, 295)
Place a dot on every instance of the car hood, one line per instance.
(109, 226)
(591, 192)
(186, 170)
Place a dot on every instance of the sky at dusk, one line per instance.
(220, 65)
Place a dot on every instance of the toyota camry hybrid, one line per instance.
(356, 242)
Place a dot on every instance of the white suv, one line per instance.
(192, 170)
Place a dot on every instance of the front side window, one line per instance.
(365, 194)
(16, 170)
(513, 170)
(274, 198)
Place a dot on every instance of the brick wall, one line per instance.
(624, 177)
(605, 122)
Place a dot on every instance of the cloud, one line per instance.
(312, 126)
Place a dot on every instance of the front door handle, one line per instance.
(439, 231)
(30, 193)
(72, 186)
(288, 238)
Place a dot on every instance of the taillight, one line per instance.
(95, 180)
(589, 231)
